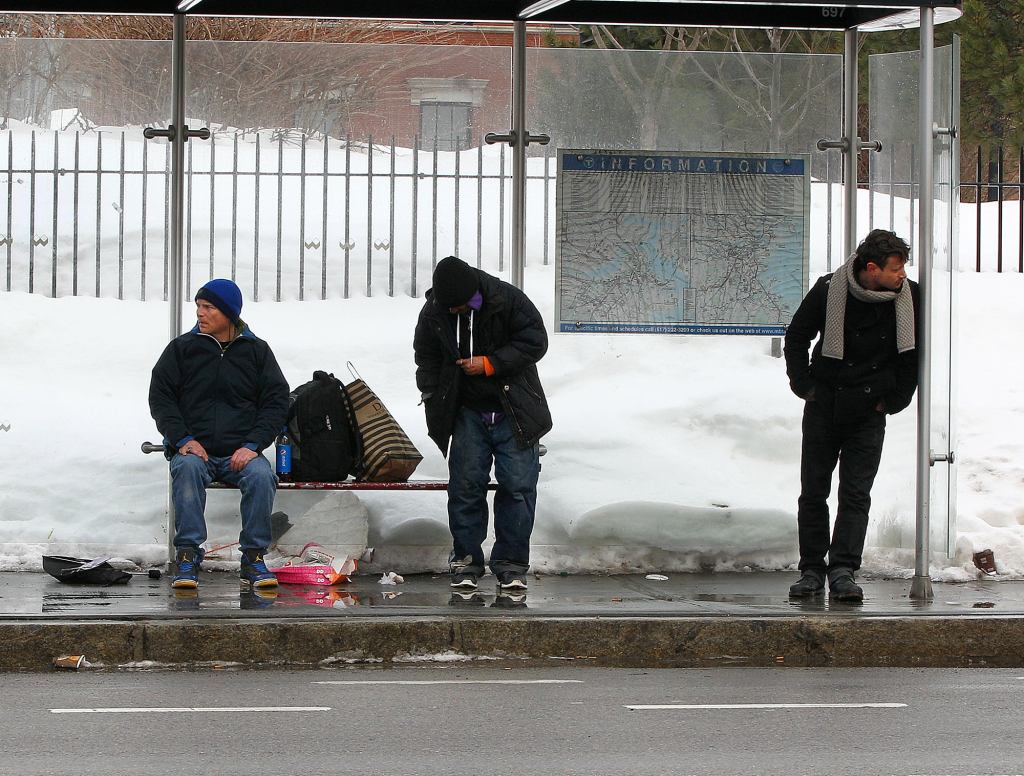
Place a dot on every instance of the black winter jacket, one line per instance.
(871, 368)
(509, 330)
(226, 400)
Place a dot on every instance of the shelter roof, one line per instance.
(807, 14)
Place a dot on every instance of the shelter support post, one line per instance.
(518, 152)
(174, 282)
(851, 153)
(850, 144)
(177, 133)
(921, 586)
(519, 139)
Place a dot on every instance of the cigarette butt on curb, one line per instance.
(69, 662)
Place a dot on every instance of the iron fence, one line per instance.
(991, 184)
(414, 206)
(58, 213)
(991, 238)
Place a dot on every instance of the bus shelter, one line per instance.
(934, 175)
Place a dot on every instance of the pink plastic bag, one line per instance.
(308, 575)
(314, 565)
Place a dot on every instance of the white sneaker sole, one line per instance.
(466, 584)
(515, 584)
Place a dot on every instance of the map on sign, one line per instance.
(675, 243)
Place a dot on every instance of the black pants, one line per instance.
(857, 446)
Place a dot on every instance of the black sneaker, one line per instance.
(810, 584)
(464, 580)
(510, 580)
(841, 587)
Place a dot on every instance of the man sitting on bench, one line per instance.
(219, 396)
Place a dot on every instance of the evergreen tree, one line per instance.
(992, 71)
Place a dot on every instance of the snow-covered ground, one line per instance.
(668, 453)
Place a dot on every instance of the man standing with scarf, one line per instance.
(863, 368)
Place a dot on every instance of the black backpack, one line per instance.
(326, 444)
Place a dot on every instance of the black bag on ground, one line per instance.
(326, 446)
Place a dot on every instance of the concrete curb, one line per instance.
(650, 642)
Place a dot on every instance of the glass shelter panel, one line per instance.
(350, 171)
(342, 173)
(691, 102)
(678, 450)
(892, 204)
(83, 252)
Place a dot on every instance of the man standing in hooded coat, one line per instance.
(477, 342)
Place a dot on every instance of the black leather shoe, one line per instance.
(841, 587)
(811, 583)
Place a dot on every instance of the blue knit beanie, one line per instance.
(224, 295)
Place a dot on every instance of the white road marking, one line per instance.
(458, 681)
(185, 709)
(767, 706)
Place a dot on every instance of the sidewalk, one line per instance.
(687, 620)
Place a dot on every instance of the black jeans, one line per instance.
(857, 446)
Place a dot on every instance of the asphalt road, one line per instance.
(481, 719)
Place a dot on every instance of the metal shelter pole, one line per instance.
(519, 141)
(851, 152)
(921, 587)
(174, 281)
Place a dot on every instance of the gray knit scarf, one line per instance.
(835, 310)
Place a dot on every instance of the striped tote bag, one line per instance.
(388, 453)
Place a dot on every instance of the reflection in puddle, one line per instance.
(331, 597)
(737, 598)
(60, 606)
(59, 602)
(509, 600)
(257, 598)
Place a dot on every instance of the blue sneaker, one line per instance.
(187, 562)
(254, 572)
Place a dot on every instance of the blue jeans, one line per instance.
(475, 445)
(190, 475)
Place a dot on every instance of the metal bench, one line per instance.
(149, 447)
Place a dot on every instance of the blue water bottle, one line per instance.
(283, 449)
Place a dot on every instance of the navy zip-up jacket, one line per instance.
(224, 398)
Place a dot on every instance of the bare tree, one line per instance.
(30, 75)
(765, 99)
(245, 73)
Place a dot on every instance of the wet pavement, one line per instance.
(40, 597)
(686, 620)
